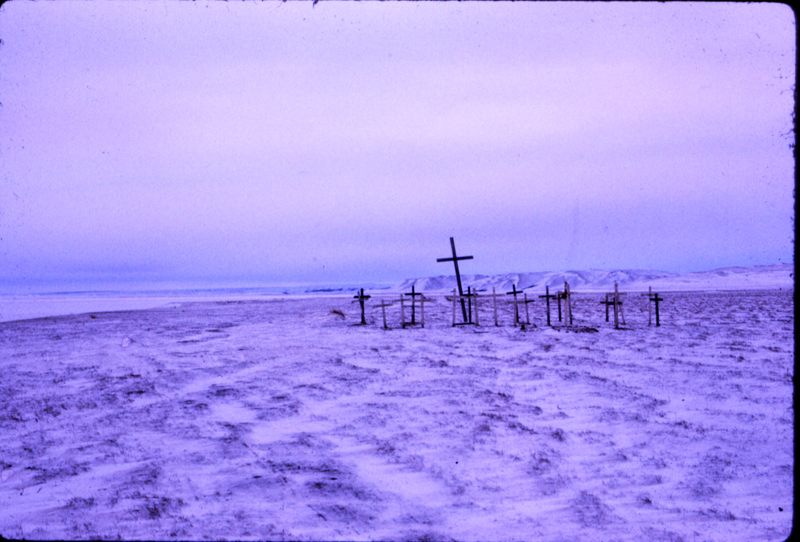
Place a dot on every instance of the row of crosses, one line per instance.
(466, 301)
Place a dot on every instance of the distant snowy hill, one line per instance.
(760, 277)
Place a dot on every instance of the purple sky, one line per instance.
(280, 142)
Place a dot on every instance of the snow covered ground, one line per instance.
(278, 419)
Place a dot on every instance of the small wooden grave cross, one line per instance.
(383, 306)
(514, 292)
(615, 302)
(455, 260)
(469, 296)
(414, 294)
(548, 296)
(607, 302)
(565, 294)
(361, 299)
(472, 294)
(654, 298)
(527, 314)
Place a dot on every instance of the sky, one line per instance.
(345, 142)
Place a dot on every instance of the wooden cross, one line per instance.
(514, 292)
(361, 299)
(656, 299)
(468, 296)
(527, 314)
(413, 295)
(548, 296)
(455, 260)
(608, 302)
(616, 304)
(383, 306)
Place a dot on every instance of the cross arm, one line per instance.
(453, 259)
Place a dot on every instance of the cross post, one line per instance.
(568, 304)
(455, 260)
(469, 304)
(454, 307)
(559, 296)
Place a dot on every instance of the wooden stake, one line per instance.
(494, 306)
(527, 314)
(616, 307)
(469, 304)
(559, 296)
(454, 308)
(568, 306)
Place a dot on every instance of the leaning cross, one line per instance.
(455, 260)
(361, 299)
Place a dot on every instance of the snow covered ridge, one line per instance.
(762, 277)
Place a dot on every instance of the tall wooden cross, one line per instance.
(361, 299)
(455, 260)
(413, 295)
(548, 296)
(514, 292)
